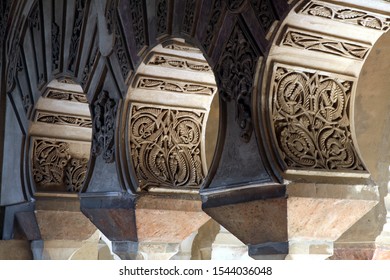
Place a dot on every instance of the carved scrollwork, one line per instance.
(55, 45)
(121, 52)
(352, 16)
(59, 119)
(215, 15)
(235, 78)
(177, 62)
(53, 166)
(311, 118)
(67, 96)
(181, 47)
(110, 14)
(92, 58)
(174, 86)
(189, 15)
(138, 16)
(166, 147)
(235, 5)
(104, 115)
(162, 16)
(264, 13)
(326, 45)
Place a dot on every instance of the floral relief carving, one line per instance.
(235, 78)
(104, 115)
(215, 16)
(326, 45)
(67, 96)
(264, 13)
(189, 16)
(235, 5)
(176, 62)
(311, 119)
(60, 119)
(162, 16)
(174, 86)
(347, 15)
(53, 166)
(166, 147)
(137, 14)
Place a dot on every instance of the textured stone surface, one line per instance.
(15, 250)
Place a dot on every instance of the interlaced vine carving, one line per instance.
(174, 86)
(162, 16)
(92, 58)
(53, 166)
(67, 96)
(311, 118)
(166, 147)
(104, 115)
(59, 119)
(189, 15)
(121, 52)
(137, 14)
(215, 17)
(55, 45)
(326, 45)
(235, 78)
(347, 15)
(176, 62)
(235, 5)
(264, 13)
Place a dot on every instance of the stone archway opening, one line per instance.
(60, 139)
(172, 121)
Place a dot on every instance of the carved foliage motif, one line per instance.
(166, 147)
(181, 47)
(68, 96)
(121, 52)
(137, 13)
(104, 115)
(235, 78)
(80, 15)
(264, 13)
(174, 86)
(55, 45)
(176, 62)
(59, 119)
(189, 16)
(320, 44)
(215, 17)
(162, 16)
(92, 58)
(54, 166)
(235, 5)
(311, 118)
(347, 15)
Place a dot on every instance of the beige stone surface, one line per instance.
(327, 219)
(15, 250)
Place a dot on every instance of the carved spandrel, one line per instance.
(311, 120)
(166, 147)
(104, 118)
(235, 78)
(347, 15)
(174, 86)
(179, 63)
(322, 44)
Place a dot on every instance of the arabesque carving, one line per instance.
(189, 16)
(235, 5)
(347, 15)
(137, 14)
(59, 119)
(67, 96)
(264, 13)
(166, 147)
(235, 78)
(181, 47)
(162, 16)
(311, 119)
(215, 15)
(53, 166)
(174, 86)
(121, 52)
(177, 62)
(326, 45)
(104, 115)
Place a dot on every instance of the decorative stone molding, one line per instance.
(162, 16)
(174, 86)
(346, 15)
(121, 52)
(61, 119)
(235, 5)
(166, 147)
(138, 15)
(307, 41)
(189, 16)
(214, 20)
(174, 45)
(104, 116)
(235, 78)
(67, 96)
(180, 63)
(93, 57)
(311, 114)
(264, 13)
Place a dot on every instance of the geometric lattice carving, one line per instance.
(235, 78)
(311, 119)
(166, 147)
(177, 62)
(351, 16)
(306, 41)
(104, 115)
(174, 86)
(53, 166)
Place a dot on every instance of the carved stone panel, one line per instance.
(121, 52)
(104, 118)
(53, 166)
(347, 15)
(307, 41)
(171, 61)
(235, 78)
(62, 119)
(67, 96)
(214, 21)
(166, 148)
(264, 13)
(162, 16)
(311, 115)
(235, 5)
(189, 16)
(138, 15)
